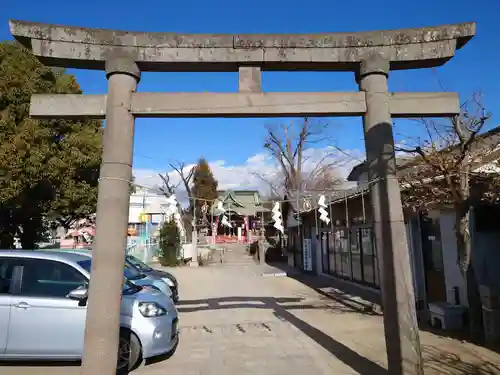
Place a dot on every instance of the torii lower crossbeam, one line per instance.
(319, 104)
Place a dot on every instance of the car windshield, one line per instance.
(131, 272)
(139, 264)
(128, 287)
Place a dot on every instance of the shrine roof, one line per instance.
(243, 202)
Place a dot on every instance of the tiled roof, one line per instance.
(243, 202)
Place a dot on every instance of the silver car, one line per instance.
(43, 297)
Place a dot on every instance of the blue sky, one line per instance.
(160, 141)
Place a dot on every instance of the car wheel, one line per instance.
(129, 352)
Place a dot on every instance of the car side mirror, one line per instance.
(78, 294)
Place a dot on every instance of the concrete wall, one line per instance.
(486, 257)
(414, 237)
(452, 273)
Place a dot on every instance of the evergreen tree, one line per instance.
(204, 185)
(48, 168)
(169, 243)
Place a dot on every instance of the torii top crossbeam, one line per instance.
(80, 47)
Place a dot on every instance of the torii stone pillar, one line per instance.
(112, 220)
(400, 321)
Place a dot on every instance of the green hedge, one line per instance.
(170, 244)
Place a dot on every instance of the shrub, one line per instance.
(170, 244)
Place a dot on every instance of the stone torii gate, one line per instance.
(124, 55)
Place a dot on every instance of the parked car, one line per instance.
(43, 297)
(154, 273)
(134, 275)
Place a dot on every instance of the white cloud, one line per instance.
(246, 175)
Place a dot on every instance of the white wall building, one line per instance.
(145, 201)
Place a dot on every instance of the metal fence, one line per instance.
(143, 248)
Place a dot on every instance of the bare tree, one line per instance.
(185, 177)
(167, 188)
(170, 188)
(289, 145)
(442, 171)
(324, 179)
(274, 182)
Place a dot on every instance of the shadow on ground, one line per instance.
(41, 364)
(443, 362)
(163, 357)
(437, 360)
(363, 299)
(350, 294)
(352, 359)
(462, 335)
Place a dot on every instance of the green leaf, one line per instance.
(48, 168)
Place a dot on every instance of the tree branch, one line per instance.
(419, 151)
(289, 148)
(185, 179)
(271, 186)
(167, 189)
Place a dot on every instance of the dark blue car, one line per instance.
(157, 274)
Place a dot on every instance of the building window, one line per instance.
(325, 256)
(331, 253)
(48, 278)
(356, 255)
(341, 249)
(352, 254)
(370, 274)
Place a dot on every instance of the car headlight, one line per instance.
(151, 309)
(169, 282)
